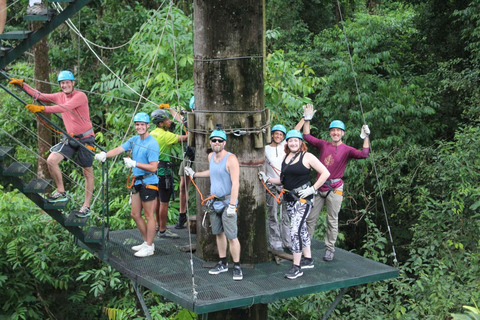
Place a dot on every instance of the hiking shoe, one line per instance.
(219, 268)
(145, 251)
(84, 212)
(38, 9)
(237, 273)
(294, 273)
(182, 219)
(167, 234)
(139, 247)
(307, 263)
(328, 255)
(57, 197)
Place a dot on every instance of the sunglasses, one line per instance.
(216, 140)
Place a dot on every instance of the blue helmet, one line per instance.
(279, 127)
(294, 134)
(141, 117)
(219, 134)
(191, 105)
(337, 124)
(65, 75)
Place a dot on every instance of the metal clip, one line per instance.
(239, 133)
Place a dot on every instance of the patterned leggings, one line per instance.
(298, 213)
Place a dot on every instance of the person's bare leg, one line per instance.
(3, 14)
(89, 185)
(53, 161)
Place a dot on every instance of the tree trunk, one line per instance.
(41, 72)
(229, 90)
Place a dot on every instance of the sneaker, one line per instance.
(307, 263)
(182, 219)
(219, 268)
(57, 197)
(237, 273)
(167, 234)
(139, 247)
(328, 255)
(38, 9)
(146, 251)
(294, 273)
(84, 212)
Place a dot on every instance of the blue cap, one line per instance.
(141, 117)
(219, 134)
(65, 75)
(191, 105)
(337, 124)
(294, 134)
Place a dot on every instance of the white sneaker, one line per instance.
(139, 247)
(146, 251)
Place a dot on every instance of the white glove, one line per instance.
(365, 132)
(129, 163)
(231, 210)
(306, 192)
(102, 156)
(308, 112)
(189, 172)
(263, 176)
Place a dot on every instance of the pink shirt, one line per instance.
(74, 108)
(335, 158)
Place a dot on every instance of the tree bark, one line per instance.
(41, 72)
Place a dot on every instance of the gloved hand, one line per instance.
(365, 131)
(102, 156)
(231, 210)
(164, 106)
(18, 82)
(189, 172)
(308, 112)
(129, 163)
(306, 192)
(34, 108)
(263, 176)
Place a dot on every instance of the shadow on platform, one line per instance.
(169, 273)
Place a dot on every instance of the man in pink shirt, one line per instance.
(73, 105)
(335, 156)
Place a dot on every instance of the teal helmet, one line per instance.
(279, 127)
(337, 124)
(219, 134)
(141, 117)
(65, 75)
(191, 105)
(159, 115)
(294, 134)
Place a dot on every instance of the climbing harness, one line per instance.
(331, 189)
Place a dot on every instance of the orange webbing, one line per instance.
(278, 199)
(133, 180)
(200, 193)
(47, 125)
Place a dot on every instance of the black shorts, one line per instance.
(84, 158)
(146, 194)
(165, 188)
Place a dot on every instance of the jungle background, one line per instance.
(417, 71)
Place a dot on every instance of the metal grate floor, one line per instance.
(168, 272)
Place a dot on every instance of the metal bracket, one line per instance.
(142, 301)
(334, 303)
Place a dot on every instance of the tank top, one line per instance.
(295, 175)
(220, 181)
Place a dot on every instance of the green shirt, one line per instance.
(165, 140)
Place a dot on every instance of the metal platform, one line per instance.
(168, 272)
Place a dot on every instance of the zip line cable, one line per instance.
(395, 261)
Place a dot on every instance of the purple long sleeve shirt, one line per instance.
(335, 158)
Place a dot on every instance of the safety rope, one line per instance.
(279, 198)
(395, 261)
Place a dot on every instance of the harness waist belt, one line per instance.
(144, 176)
(225, 197)
(82, 135)
(332, 181)
(296, 190)
(151, 186)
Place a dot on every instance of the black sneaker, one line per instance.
(237, 273)
(294, 273)
(182, 219)
(57, 197)
(307, 264)
(219, 268)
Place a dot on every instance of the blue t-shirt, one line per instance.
(143, 151)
